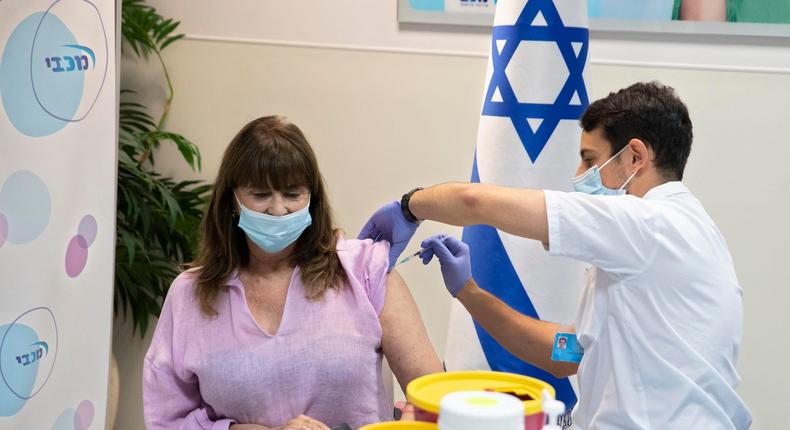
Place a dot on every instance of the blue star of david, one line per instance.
(551, 114)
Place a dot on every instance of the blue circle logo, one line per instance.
(52, 73)
(27, 345)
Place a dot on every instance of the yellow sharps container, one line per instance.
(426, 392)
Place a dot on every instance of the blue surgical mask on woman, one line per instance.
(590, 181)
(273, 233)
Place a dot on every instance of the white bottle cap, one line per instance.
(475, 410)
(553, 409)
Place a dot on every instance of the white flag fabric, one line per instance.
(58, 143)
(528, 137)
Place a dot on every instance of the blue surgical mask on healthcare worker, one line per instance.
(274, 233)
(590, 182)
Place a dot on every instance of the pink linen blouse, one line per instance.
(324, 361)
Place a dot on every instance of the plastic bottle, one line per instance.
(553, 409)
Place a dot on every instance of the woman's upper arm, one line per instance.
(404, 339)
(171, 397)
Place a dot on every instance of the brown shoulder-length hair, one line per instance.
(272, 153)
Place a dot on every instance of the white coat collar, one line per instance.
(666, 189)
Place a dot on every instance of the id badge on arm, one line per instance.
(567, 348)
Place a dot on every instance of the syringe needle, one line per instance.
(409, 257)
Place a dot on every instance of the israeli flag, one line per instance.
(528, 137)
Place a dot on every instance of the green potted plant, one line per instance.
(157, 216)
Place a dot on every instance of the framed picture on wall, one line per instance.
(717, 17)
(479, 13)
(721, 17)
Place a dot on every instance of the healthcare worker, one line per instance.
(660, 317)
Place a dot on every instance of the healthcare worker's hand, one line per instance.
(453, 257)
(388, 224)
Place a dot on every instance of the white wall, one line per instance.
(388, 108)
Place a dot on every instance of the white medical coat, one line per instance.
(660, 318)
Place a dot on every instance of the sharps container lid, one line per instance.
(427, 391)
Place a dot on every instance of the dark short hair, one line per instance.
(650, 112)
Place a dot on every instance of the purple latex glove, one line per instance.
(388, 223)
(453, 257)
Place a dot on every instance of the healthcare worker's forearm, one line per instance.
(527, 338)
(517, 211)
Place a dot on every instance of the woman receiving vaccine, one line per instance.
(281, 323)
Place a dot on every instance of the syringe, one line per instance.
(405, 259)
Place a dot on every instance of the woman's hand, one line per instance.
(247, 427)
(303, 422)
